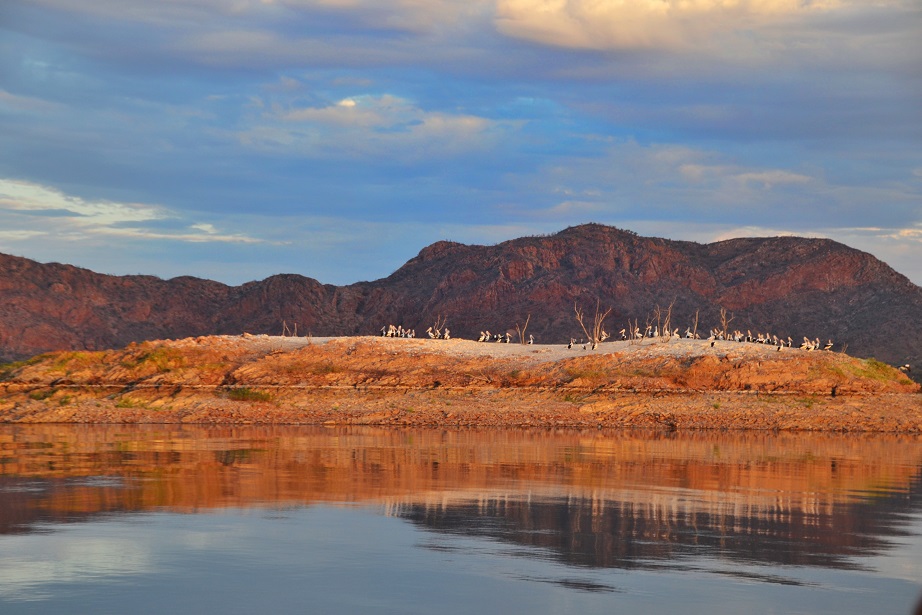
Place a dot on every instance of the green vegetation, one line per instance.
(868, 369)
(42, 394)
(248, 394)
(127, 402)
(163, 359)
(7, 369)
(63, 362)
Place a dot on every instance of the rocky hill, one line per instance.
(788, 286)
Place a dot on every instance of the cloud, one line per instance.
(370, 126)
(25, 103)
(645, 24)
(743, 179)
(628, 179)
(28, 197)
(408, 15)
(54, 213)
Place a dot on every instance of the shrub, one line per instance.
(42, 395)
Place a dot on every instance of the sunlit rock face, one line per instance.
(786, 286)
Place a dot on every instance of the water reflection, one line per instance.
(623, 500)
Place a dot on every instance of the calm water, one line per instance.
(313, 520)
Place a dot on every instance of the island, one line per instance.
(662, 383)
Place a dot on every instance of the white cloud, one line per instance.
(43, 211)
(370, 125)
(194, 234)
(20, 235)
(28, 197)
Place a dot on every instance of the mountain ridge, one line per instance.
(786, 285)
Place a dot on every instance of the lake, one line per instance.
(190, 519)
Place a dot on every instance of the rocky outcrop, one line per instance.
(788, 286)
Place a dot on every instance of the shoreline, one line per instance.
(263, 380)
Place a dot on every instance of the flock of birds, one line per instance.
(398, 331)
(651, 332)
(501, 338)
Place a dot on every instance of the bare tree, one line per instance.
(695, 327)
(521, 330)
(667, 322)
(724, 322)
(598, 332)
(435, 330)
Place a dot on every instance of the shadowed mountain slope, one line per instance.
(788, 286)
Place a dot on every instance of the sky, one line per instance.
(237, 139)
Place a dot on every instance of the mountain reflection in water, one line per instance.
(595, 499)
